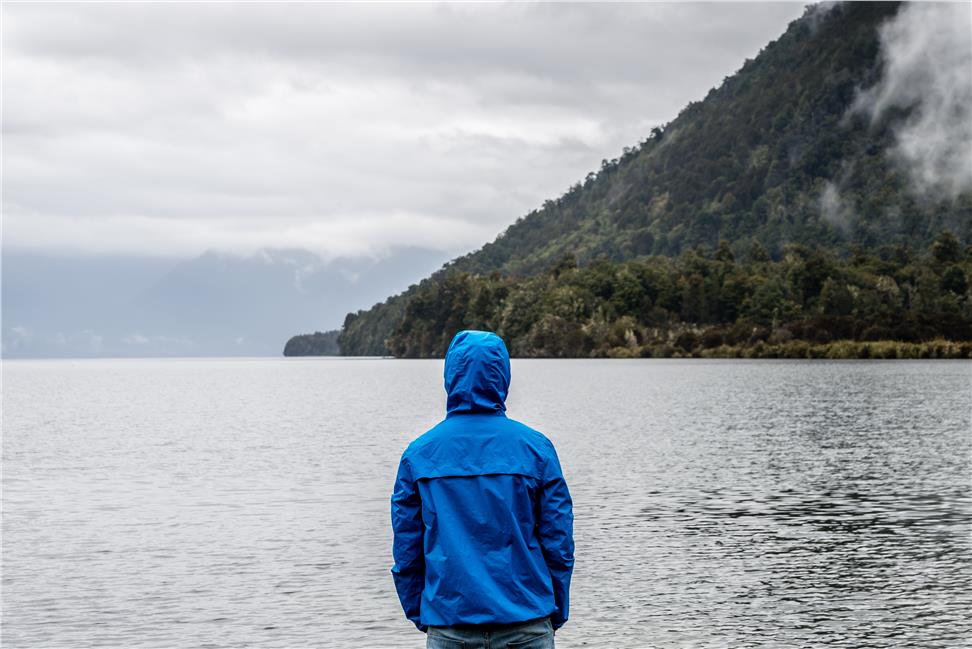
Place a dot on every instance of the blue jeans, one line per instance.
(535, 634)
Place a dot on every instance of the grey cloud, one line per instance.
(834, 209)
(554, 41)
(927, 54)
(165, 128)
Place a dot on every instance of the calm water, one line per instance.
(219, 503)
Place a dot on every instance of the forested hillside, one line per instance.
(808, 304)
(766, 156)
(780, 161)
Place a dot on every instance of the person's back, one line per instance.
(481, 514)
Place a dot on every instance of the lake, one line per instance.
(244, 502)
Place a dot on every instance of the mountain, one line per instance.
(834, 137)
(777, 153)
(215, 304)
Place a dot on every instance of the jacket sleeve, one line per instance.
(407, 548)
(555, 529)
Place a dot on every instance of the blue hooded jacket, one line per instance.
(481, 513)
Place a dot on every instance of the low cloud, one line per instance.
(170, 128)
(927, 69)
(137, 339)
(834, 209)
(88, 341)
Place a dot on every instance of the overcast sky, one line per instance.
(169, 129)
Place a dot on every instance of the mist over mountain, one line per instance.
(849, 132)
(211, 305)
(850, 129)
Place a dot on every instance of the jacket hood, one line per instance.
(477, 373)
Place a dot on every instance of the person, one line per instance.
(482, 518)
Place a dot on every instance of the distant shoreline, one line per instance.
(837, 350)
(939, 349)
(793, 349)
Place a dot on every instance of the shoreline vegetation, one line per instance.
(892, 303)
(837, 350)
(315, 344)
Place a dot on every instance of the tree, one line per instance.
(946, 248)
(757, 253)
(835, 298)
(567, 262)
(954, 280)
(724, 253)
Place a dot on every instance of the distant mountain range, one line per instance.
(837, 136)
(213, 305)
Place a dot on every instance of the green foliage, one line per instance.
(809, 304)
(315, 344)
(365, 333)
(954, 280)
(946, 248)
(846, 349)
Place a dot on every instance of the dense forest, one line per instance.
(769, 215)
(808, 304)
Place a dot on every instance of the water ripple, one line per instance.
(244, 503)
